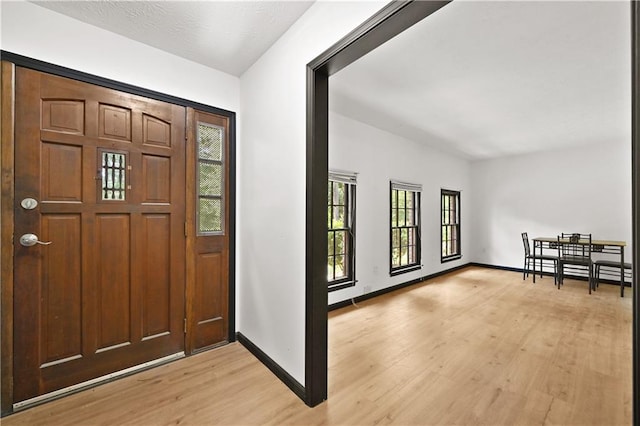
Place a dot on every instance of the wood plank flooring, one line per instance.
(475, 347)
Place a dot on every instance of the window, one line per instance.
(341, 257)
(210, 208)
(450, 226)
(113, 175)
(405, 227)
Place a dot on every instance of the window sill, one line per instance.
(450, 258)
(341, 285)
(404, 270)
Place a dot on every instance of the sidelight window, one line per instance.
(210, 202)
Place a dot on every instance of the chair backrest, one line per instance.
(574, 245)
(525, 242)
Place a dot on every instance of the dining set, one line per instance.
(579, 256)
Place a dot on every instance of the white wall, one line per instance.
(586, 190)
(39, 33)
(271, 230)
(378, 157)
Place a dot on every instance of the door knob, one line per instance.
(29, 203)
(29, 240)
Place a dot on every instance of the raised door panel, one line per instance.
(114, 122)
(65, 116)
(61, 172)
(155, 131)
(156, 187)
(113, 281)
(61, 290)
(212, 299)
(156, 261)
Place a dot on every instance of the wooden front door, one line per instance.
(208, 231)
(107, 171)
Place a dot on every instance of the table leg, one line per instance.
(621, 271)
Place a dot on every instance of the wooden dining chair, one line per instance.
(574, 251)
(528, 257)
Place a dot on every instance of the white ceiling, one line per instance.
(226, 35)
(489, 79)
(476, 79)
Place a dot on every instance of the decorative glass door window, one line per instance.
(113, 174)
(210, 208)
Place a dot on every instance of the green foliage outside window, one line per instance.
(403, 228)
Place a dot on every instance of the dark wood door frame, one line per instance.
(7, 118)
(390, 21)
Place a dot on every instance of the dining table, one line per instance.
(615, 248)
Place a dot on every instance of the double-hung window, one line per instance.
(450, 225)
(405, 227)
(341, 224)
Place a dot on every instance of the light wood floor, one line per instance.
(478, 346)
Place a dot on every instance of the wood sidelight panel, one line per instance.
(207, 230)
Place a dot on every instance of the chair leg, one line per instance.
(560, 274)
(524, 269)
(540, 268)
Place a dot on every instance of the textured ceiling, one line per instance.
(476, 79)
(490, 79)
(226, 35)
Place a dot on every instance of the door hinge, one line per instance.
(186, 234)
(185, 326)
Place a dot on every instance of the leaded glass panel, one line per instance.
(210, 179)
(210, 215)
(211, 184)
(210, 142)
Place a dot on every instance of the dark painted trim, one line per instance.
(548, 274)
(393, 288)
(316, 339)
(405, 270)
(46, 67)
(232, 228)
(635, 204)
(275, 368)
(384, 25)
(390, 21)
(502, 268)
(342, 286)
(349, 302)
